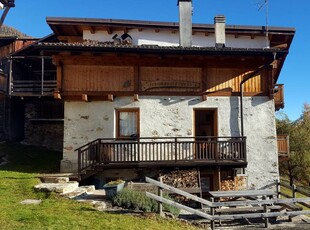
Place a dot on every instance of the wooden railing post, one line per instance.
(266, 211)
(160, 194)
(79, 160)
(294, 191)
(278, 188)
(176, 149)
(138, 149)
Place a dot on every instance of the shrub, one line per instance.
(131, 199)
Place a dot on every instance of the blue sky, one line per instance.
(29, 16)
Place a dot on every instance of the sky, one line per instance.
(29, 16)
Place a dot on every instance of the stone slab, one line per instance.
(57, 187)
(31, 201)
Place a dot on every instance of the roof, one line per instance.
(111, 47)
(75, 26)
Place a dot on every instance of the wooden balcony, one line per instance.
(283, 144)
(32, 87)
(149, 152)
(279, 96)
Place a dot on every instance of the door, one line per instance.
(205, 128)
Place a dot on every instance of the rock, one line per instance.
(31, 201)
(100, 205)
(89, 188)
(76, 194)
(57, 187)
(54, 179)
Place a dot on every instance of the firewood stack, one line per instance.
(228, 185)
(181, 178)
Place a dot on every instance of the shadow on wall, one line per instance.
(234, 118)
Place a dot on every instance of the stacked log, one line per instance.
(181, 178)
(228, 185)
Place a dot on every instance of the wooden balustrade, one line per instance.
(279, 96)
(161, 151)
(32, 87)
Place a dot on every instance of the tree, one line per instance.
(298, 162)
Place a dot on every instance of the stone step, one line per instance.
(80, 192)
(57, 187)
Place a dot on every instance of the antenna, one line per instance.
(260, 6)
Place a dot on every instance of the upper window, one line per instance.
(127, 123)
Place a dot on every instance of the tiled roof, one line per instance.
(115, 47)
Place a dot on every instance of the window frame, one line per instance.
(128, 110)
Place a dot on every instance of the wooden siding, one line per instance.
(230, 79)
(98, 78)
(14, 46)
(162, 79)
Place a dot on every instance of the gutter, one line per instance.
(248, 77)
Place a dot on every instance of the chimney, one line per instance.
(219, 25)
(185, 16)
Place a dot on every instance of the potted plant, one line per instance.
(113, 187)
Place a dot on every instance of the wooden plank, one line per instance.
(261, 215)
(246, 209)
(179, 191)
(259, 202)
(243, 193)
(174, 204)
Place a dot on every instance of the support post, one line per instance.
(212, 210)
(266, 211)
(278, 188)
(160, 194)
(294, 191)
(11, 76)
(42, 76)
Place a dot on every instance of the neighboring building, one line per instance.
(158, 95)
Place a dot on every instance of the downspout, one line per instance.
(248, 77)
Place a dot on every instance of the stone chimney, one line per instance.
(185, 20)
(219, 26)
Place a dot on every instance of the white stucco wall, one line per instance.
(173, 116)
(166, 38)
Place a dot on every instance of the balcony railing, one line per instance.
(32, 87)
(279, 96)
(161, 151)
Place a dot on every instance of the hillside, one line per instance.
(8, 31)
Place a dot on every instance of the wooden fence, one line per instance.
(268, 206)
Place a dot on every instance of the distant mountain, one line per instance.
(8, 31)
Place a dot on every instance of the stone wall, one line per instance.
(173, 116)
(42, 132)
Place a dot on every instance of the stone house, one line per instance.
(140, 97)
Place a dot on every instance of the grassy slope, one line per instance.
(16, 184)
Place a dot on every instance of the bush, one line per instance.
(131, 199)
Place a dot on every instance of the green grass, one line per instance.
(16, 184)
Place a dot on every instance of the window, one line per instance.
(127, 123)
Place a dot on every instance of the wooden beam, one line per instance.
(110, 97)
(92, 29)
(109, 30)
(84, 97)
(136, 97)
(57, 95)
(204, 97)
